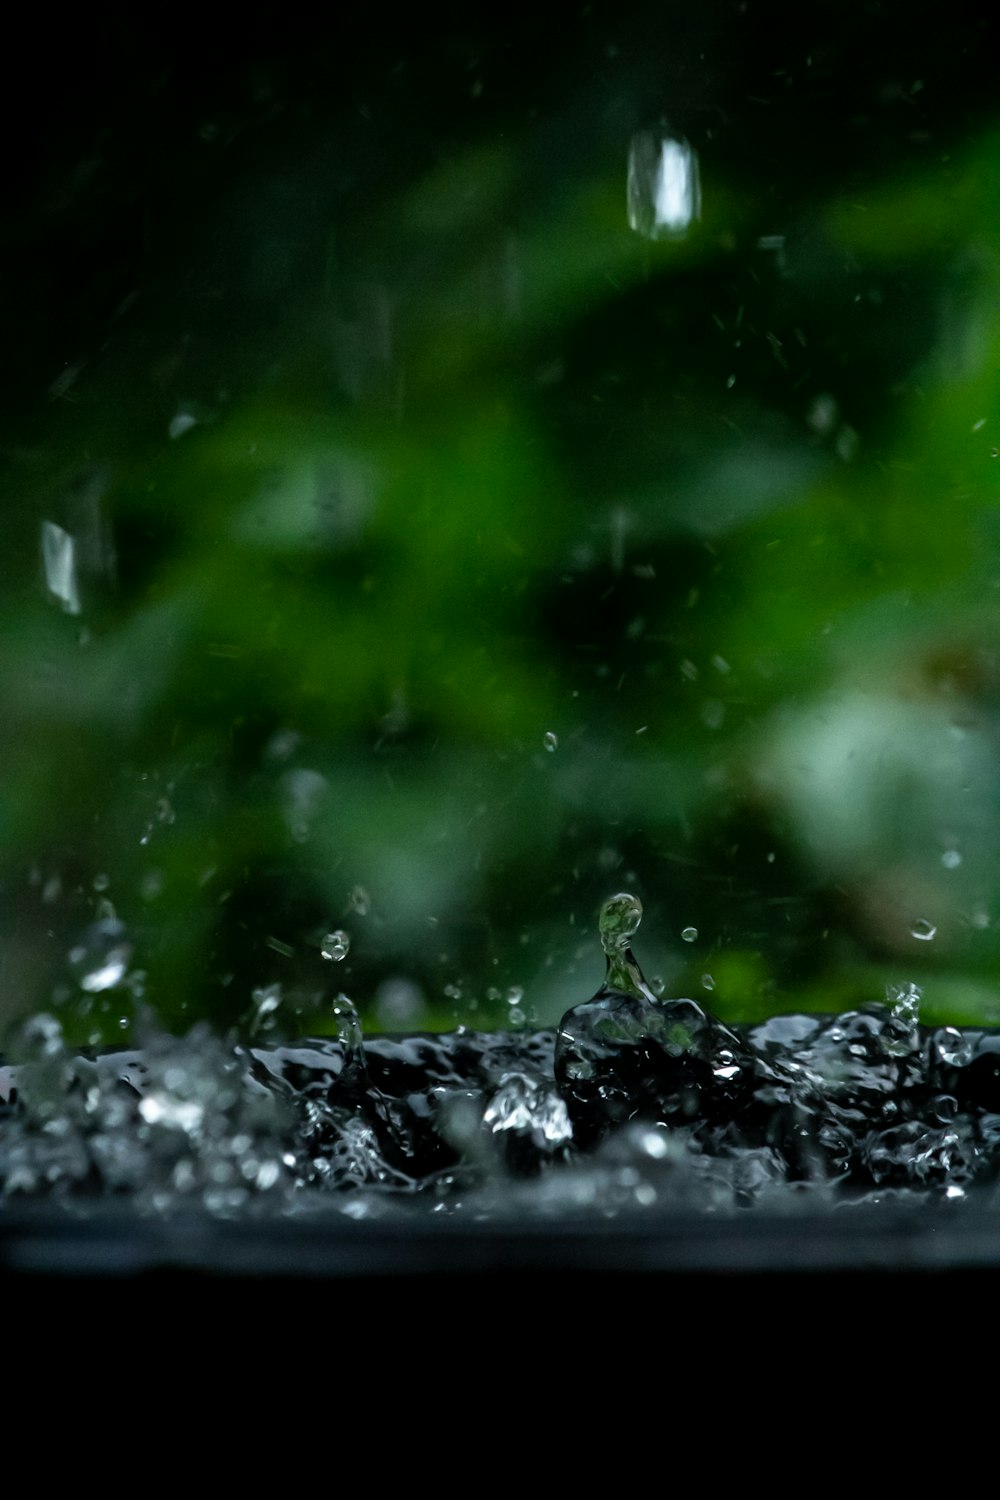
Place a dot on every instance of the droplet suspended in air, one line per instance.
(550, 741)
(336, 945)
(101, 958)
(620, 918)
(664, 187)
(689, 934)
(923, 930)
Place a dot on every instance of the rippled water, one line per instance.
(635, 1102)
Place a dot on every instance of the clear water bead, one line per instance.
(550, 741)
(923, 930)
(336, 946)
(690, 934)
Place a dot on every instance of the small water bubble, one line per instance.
(101, 882)
(923, 930)
(515, 994)
(689, 934)
(707, 982)
(550, 741)
(951, 859)
(336, 945)
(658, 984)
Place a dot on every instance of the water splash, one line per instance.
(635, 1100)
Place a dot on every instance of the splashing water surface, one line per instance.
(634, 1101)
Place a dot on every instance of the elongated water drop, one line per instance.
(620, 918)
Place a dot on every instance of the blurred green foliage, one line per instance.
(394, 451)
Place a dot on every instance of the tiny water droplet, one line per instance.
(923, 930)
(101, 958)
(336, 945)
(951, 859)
(658, 984)
(550, 741)
(515, 994)
(690, 934)
(707, 982)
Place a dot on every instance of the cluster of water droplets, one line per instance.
(635, 1101)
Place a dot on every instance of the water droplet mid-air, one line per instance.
(335, 946)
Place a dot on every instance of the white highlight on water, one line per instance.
(59, 562)
(664, 186)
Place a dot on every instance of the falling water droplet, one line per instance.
(663, 187)
(707, 982)
(923, 930)
(101, 958)
(690, 934)
(336, 945)
(550, 741)
(951, 859)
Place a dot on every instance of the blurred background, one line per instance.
(456, 470)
